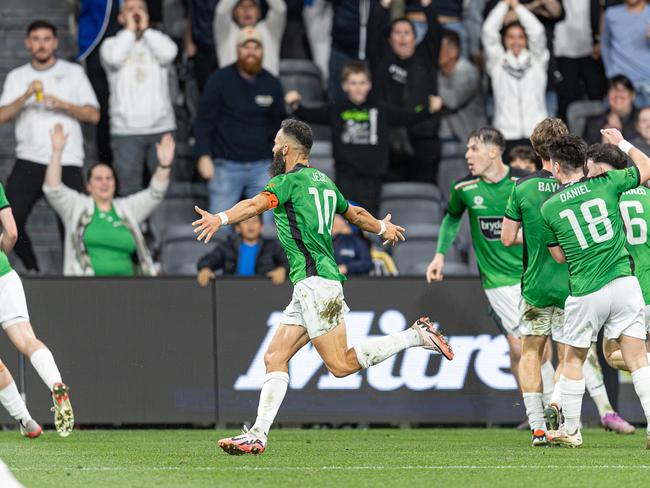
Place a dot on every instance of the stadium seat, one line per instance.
(456, 269)
(413, 256)
(578, 113)
(453, 149)
(448, 171)
(409, 212)
(181, 251)
(403, 190)
(174, 211)
(322, 159)
(304, 76)
(422, 231)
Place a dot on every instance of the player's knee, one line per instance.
(3, 368)
(275, 361)
(340, 370)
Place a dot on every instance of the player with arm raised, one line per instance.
(635, 211)
(583, 227)
(304, 202)
(484, 193)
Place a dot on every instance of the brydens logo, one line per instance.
(491, 227)
(487, 355)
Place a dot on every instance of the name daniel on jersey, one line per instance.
(574, 192)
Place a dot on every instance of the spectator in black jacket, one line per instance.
(360, 128)
(245, 253)
(198, 42)
(351, 251)
(619, 115)
(405, 74)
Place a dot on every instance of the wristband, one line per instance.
(223, 217)
(164, 167)
(383, 227)
(625, 146)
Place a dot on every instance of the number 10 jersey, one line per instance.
(583, 219)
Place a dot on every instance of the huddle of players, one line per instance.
(566, 212)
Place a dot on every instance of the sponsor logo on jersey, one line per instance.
(415, 369)
(490, 227)
(318, 176)
(478, 202)
(264, 100)
(469, 187)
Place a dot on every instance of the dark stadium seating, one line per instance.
(180, 251)
(304, 76)
(409, 212)
(578, 113)
(403, 190)
(448, 171)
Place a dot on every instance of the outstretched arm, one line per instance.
(209, 224)
(363, 219)
(640, 159)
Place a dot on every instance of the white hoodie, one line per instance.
(518, 82)
(138, 78)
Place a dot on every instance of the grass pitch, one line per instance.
(340, 458)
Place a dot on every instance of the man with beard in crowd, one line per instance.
(240, 110)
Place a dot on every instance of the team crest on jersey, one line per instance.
(478, 202)
(318, 176)
(490, 227)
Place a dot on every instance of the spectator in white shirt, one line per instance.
(231, 16)
(137, 61)
(39, 94)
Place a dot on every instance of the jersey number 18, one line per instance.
(600, 218)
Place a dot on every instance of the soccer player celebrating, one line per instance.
(484, 193)
(634, 206)
(545, 287)
(304, 202)
(582, 227)
(15, 321)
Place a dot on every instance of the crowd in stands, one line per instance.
(400, 84)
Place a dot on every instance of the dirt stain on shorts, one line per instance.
(332, 312)
(532, 314)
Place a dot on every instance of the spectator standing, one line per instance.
(349, 39)
(199, 39)
(317, 16)
(360, 129)
(405, 74)
(619, 115)
(625, 45)
(642, 142)
(577, 55)
(459, 86)
(245, 253)
(138, 60)
(517, 61)
(97, 21)
(102, 233)
(231, 16)
(351, 251)
(240, 111)
(39, 94)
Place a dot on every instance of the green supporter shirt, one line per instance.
(307, 202)
(5, 267)
(110, 244)
(635, 210)
(486, 203)
(583, 219)
(545, 283)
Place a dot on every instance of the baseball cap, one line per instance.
(249, 34)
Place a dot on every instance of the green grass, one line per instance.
(341, 458)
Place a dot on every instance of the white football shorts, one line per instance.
(504, 300)
(618, 307)
(541, 321)
(13, 305)
(317, 304)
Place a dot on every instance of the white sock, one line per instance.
(273, 391)
(596, 386)
(44, 364)
(13, 402)
(376, 350)
(572, 393)
(641, 380)
(548, 382)
(556, 396)
(535, 410)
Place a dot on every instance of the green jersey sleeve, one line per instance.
(280, 186)
(548, 236)
(513, 209)
(624, 179)
(4, 202)
(455, 207)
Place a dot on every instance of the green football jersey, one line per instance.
(583, 219)
(544, 283)
(307, 202)
(5, 267)
(635, 210)
(485, 203)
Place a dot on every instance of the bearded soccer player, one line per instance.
(304, 202)
(583, 227)
(545, 287)
(484, 193)
(635, 211)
